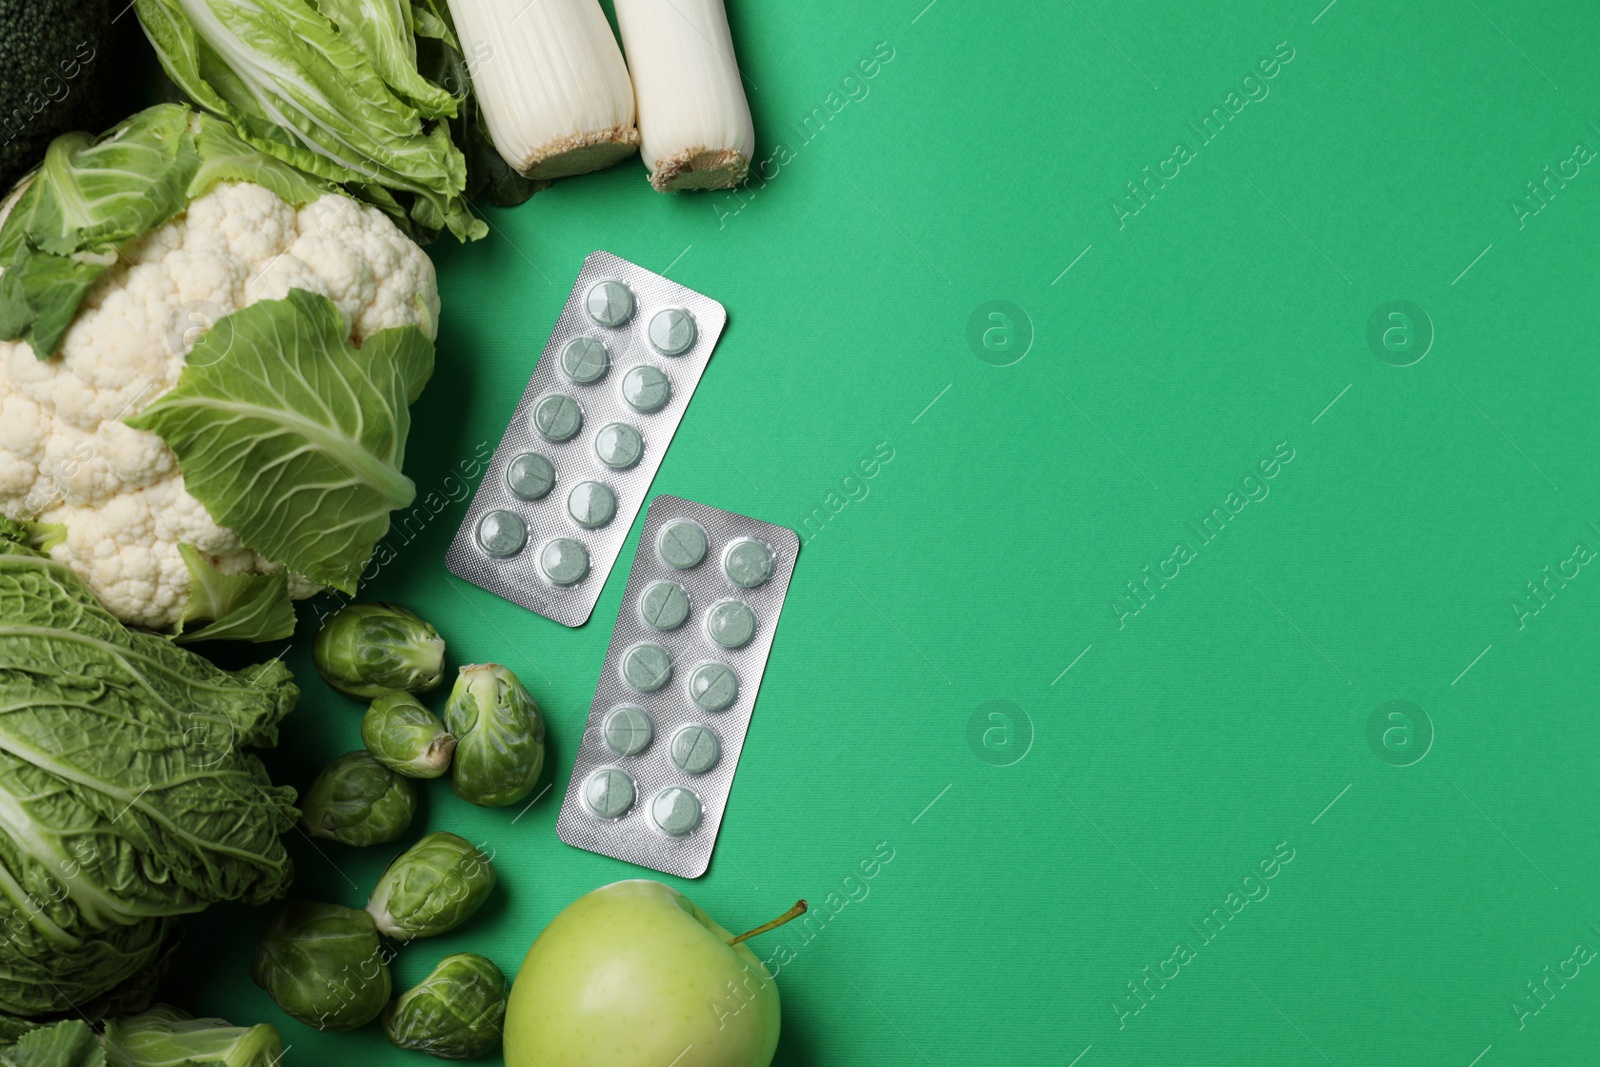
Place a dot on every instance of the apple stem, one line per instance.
(793, 913)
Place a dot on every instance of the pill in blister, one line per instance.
(628, 730)
(646, 389)
(672, 332)
(590, 431)
(591, 504)
(618, 446)
(530, 476)
(502, 533)
(610, 303)
(584, 360)
(679, 683)
(609, 793)
(748, 563)
(564, 561)
(558, 418)
(713, 687)
(695, 749)
(682, 545)
(664, 606)
(730, 624)
(647, 667)
(675, 811)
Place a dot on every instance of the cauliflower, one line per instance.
(67, 456)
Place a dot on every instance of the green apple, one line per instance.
(635, 975)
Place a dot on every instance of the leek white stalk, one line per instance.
(694, 120)
(551, 82)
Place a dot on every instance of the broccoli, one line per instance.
(53, 52)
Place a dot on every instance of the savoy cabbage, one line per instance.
(126, 799)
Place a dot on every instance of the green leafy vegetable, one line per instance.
(160, 1037)
(167, 1037)
(386, 31)
(65, 1044)
(92, 196)
(226, 157)
(12, 1029)
(127, 799)
(293, 437)
(88, 199)
(244, 607)
(93, 193)
(330, 87)
(39, 294)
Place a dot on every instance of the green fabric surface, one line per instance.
(1073, 777)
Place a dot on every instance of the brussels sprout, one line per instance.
(455, 1013)
(358, 801)
(431, 887)
(164, 1035)
(406, 737)
(368, 649)
(499, 736)
(323, 965)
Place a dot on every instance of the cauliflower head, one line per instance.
(67, 456)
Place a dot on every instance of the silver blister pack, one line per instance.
(570, 474)
(652, 776)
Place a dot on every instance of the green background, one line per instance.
(1229, 717)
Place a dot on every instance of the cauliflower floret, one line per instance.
(399, 275)
(66, 455)
(244, 222)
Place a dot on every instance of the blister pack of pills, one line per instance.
(588, 436)
(652, 777)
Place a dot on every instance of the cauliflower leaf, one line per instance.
(94, 193)
(234, 607)
(88, 199)
(40, 294)
(293, 437)
(92, 196)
